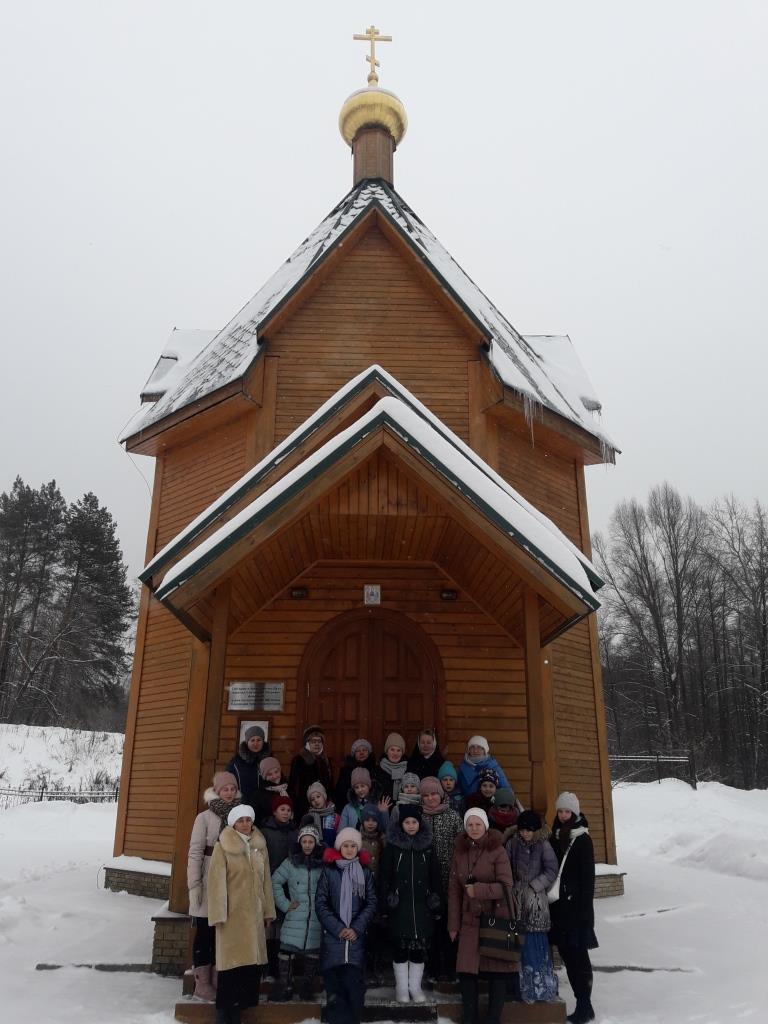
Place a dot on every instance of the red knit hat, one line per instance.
(278, 801)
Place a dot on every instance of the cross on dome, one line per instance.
(373, 36)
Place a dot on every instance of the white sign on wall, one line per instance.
(256, 696)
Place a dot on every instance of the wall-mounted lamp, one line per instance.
(299, 593)
(449, 595)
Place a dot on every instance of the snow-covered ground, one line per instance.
(695, 913)
(64, 758)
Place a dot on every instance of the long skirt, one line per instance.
(238, 987)
(538, 981)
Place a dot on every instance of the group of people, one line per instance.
(411, 854)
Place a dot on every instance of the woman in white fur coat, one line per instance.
(221, 797)
(240, 906)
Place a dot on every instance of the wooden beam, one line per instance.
(597, 685)
(483, 428)
(540, 731)
(216, 671)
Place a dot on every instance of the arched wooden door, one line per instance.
(369, 673)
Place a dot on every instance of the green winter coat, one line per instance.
(409, 886)
(301, 929)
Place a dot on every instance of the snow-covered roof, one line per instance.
(178, 352)
(459, 466)
(375, 374)
(227, 356)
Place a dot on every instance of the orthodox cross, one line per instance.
(373, 36)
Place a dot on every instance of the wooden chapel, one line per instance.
(369, 494)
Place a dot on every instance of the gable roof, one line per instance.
(251, 481)
(232, 351)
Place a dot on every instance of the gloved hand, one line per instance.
(433, 901)
(393, 899)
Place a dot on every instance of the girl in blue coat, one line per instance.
(345, 903)
(478, 757)
(294, 885)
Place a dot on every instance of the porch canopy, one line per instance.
(374, 476)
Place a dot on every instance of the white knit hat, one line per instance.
(348, 835)
(310, 830)
(478, 741)
(241, 811)
(476, 812)
(568, 802)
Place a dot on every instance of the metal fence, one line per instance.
(653, 768)
(16, 797)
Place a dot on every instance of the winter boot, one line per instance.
(497, 991)
(415, 974)
(583, 1013)
(203, 987)
(401, 983)
(469, 998)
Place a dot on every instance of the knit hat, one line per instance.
(241, 811)
(254, 730)
(317, 787)
(487, 775)
(222, 779)
(568, 802)
(372, 811)
(394, 740)
(430, 785)
(361, 745)
(476, 812)
(409, 811)
(278, 801)
(312, 730)
(529, 819)
(504, 796)
(360, 775)
(309, 830)
(478, 741)
(348, 835)
(410, 779)
(267, 764)
(447, 771)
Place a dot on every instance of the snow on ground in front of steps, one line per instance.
(696, 909)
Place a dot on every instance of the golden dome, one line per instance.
(372, 106)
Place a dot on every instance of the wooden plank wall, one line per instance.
(484, 669)
(549, 481)
(372, 309)
(192, 476)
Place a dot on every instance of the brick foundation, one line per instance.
(137, 883)
(609, 885)
(171, 947)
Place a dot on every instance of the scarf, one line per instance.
(409, 798)
(395, 770)
(318, 815)
(352, 884)
(281, 789)
(476, 760)
(437, 810)
(221, 809)
(503, 818)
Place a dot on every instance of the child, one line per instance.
(477, 757)
(446, 825)
(360, 756)
(503, 814)
(448, 777)
(300, 930)
(221, 798)
(534, 869)
(410, 794)
(483, 797)
(273, 783)
(392, 767)
(240, 905)
(358, 796)
(409, 893)
(279, 833)
(323, 813)
(345, 903)
(373, 825)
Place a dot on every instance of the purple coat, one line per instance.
(534, 863)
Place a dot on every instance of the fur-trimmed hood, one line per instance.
(210, 795)
(543, 833)
(298, 857)
(331, 856)
(395, 836)
(232, 843)
(490, 841)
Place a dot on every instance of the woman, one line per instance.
(360, 756)
(425, 758)
(409, 894)
(240, 906)
(481, 881)
(573, 914)
(308, 766)
(245, 764)
(220, 798)
(446, 825)
(477, 757)
(534, 868)
(392, 767)
(300, 930)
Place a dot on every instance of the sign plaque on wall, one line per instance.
(256, 696)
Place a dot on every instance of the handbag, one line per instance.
(553, 892)
(502, 938)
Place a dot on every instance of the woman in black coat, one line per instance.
(308, 766)
(425, 758)
(573, 914)
(245, 764)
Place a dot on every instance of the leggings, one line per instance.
(204, 943)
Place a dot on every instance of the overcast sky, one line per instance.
(598, 168)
